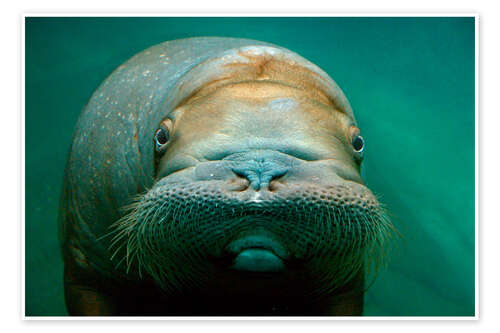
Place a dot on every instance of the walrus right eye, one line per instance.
(358, 143)
(162, 135)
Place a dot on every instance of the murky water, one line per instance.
(410, 82)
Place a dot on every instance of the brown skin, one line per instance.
(238, 113)
(224, 115)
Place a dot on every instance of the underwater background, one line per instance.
(409, 80)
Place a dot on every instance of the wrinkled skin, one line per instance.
(252, 205)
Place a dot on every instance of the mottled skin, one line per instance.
(255, 121)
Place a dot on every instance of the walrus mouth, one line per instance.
(256, 253)
(172, 233)
(258, 260)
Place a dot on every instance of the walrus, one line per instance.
(218, 176)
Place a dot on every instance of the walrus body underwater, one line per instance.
(218, 176)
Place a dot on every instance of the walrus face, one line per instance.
(257, 180)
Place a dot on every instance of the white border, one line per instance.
(254, 13)
(22, 165)
(476, 204)
(267, 13)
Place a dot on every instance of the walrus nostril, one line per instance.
(239, 183)
(276, 183)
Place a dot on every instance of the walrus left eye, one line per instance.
(162, 135)
(358, 143)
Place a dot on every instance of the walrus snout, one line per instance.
(175, 230)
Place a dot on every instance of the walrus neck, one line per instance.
(347, 301)
(343, 305)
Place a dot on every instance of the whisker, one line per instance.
(170, 237)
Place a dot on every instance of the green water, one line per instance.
(410, 82)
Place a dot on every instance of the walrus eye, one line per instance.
(162, 135)
(358, 143)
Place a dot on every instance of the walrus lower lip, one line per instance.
(257, 241)
(257, 253)
(258, 260)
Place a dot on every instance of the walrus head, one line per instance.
(256, 181)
